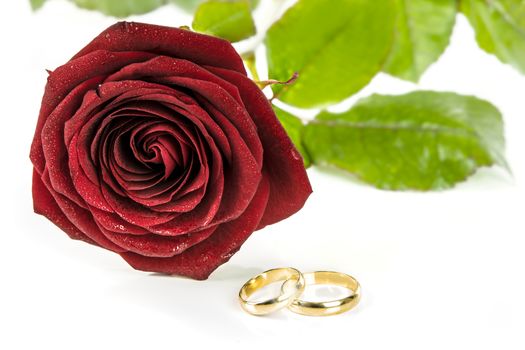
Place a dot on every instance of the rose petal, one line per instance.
(246, 173)
(201, 260)
(53, 147)
(133, 212)
(89, 191)
(65, 78)
(131, 215)
(198, 48)
(164, 70)
(80, 217)
(44, 204)
(159, 246)
(162, 67)
(112, 222)
(283, 164)
(190, 222)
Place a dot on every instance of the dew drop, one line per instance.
(295, 154)
(129, 27)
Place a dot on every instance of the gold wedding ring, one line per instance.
(289, 292)
(294, 283)
(331, 307)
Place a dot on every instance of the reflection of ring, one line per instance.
(332, 307)
(293, 288)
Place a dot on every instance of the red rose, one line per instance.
(153, 143)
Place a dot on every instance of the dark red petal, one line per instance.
(224, 95)
(183, 204)
(242, 175)
(53, 146)
(174, 42)
(289, 184)
(105, 99)
(159, 246)
(65, 78)
(132, 212)
(201, 260)
(44, 204)
(81, 218)
(200, 217)
(89, 191)
(154, 193)
(141, 216)
(223, 102)
(164, 67)
(113, 222)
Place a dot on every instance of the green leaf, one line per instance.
(336, 47)
(294, 128)
(120, 8)
(500, 28)
(191, 5)
(230, 20)
(423, 29)
(36, 4)
(423, 140)
(187, 5)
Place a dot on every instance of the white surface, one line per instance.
(438, 270)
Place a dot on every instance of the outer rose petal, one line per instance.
(289, 184)
(81, 218)
(173, 42)
(159, 246)
(44, 204)
(201, 260)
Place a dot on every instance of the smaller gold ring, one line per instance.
(333, 307)
(294, 287)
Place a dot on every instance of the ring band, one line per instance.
(294, 287)
(332, 307)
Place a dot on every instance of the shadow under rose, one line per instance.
(228, 272)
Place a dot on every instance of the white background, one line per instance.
(438, 270)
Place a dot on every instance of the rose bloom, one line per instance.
(153, 143)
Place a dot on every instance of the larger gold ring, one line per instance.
(294, 287)
(333, 307)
